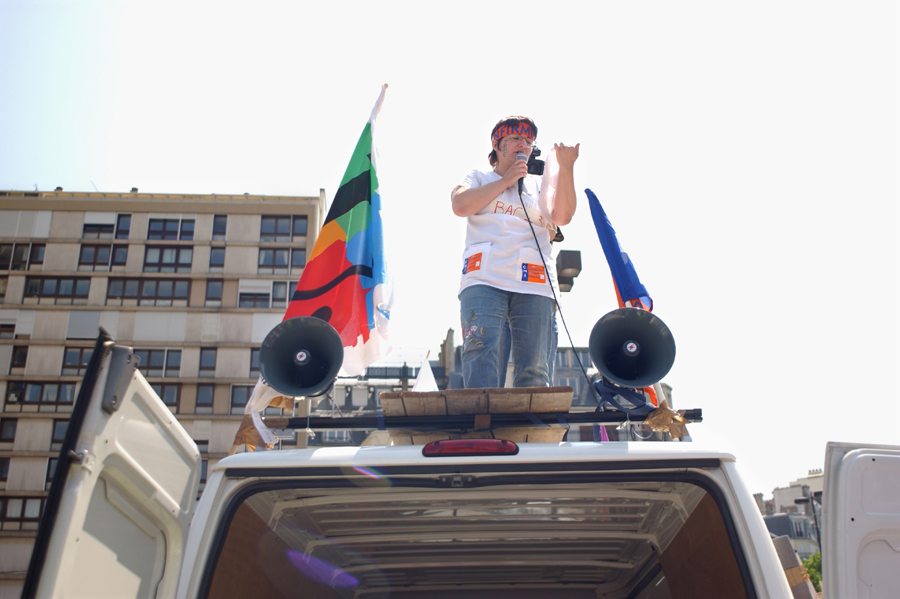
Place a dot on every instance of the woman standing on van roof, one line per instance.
(504, 278)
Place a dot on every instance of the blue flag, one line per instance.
(629, 289)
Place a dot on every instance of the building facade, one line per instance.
(795, 511)
(192, 282)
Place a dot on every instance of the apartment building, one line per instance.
(192, 282)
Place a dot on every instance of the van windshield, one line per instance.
(578, 536)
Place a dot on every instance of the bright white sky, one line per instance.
(746, 152)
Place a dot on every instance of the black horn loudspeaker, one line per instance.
(632, 347)
(301, 356)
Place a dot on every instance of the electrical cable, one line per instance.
(558, 307)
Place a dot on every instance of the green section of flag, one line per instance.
(360, 162)
(356, 220)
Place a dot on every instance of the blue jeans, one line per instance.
(483, 312)
(506, 346)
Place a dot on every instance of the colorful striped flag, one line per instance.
(345, 281)
(629, 290)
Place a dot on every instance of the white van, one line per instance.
(539, 520)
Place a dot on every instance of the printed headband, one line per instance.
(519, 128)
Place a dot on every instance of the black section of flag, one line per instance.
(350, 194)
(306, 294)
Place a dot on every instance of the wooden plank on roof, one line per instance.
(522, 400)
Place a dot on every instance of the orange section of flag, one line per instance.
(330, 233)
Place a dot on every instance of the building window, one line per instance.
(163, 292)
(36, 256)
(282, 228)
(7, 331)
(202, 445)
(21, 513)
(187, 229)
(173, 363)
(168, 228)
(51, 470)
(168, 259)
(21, 256)
(240, 395)
(95, 231)
(253, 300)
(204, 403)
(276, 260)
(163, 228)
(171, 229)
(170, 393)
(119, 255)
(273, 261)
(44, 394)
(203, 470)
(275, 228)
(2, 287)
(8, 430)
(123, 226)
(207, 361)
(585, 358)
(94, 257)
(4, 469)
(59, 434)
(62, 291)
(75, 360)
(214, 293)
(299, 226)
(216, 259)
(97, 257)
(149, 292)
(220, 224)
(19, 356)
(336, 436)
(159, 362)
(280, 290)
(298, 259)
(254, 362)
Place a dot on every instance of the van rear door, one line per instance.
(121, 499)
(861, 514)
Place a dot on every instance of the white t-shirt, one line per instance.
(500, 247)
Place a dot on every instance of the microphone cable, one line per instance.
(556, 301)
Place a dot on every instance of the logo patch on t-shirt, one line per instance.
(533, 273)
(472, 263)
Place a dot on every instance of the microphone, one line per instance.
(521, 156)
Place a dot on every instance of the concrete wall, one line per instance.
(160, 326)
(14, 557)
(26, 474)
(61, 256)
(139, 223)
(66, 225)
(50, 325)
(232, 362)
(200, 262)
(15, 290)
(44, 360)
(235, 327)
(203, 227)
(33, 434)
(221, 435)
(241, 260)
(243, 227)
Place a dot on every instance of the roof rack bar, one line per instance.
(454, 422)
